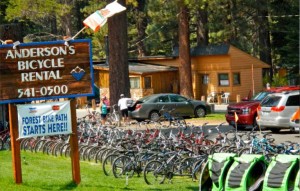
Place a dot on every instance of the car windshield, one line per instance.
(260, 96)
(270, 101)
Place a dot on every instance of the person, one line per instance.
(103, 109)
(107, 103)
(122, 103)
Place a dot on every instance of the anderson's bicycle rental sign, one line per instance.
(45, 70)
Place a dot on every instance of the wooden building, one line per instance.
(145, 79)
(222, 68)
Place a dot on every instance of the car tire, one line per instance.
(200, 112)
(154, 116)
(275, 130)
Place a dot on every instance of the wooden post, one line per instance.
(238, 98)
(74, 145)
(203, 98)
(15, 145)
(219, 99)
(94, 104)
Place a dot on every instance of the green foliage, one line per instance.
(278, 81)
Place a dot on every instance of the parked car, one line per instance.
(276, 109)
(295, 121)
(148, 107)
(247, 109)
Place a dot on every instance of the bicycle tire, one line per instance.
(81, 150)
(51, 147)
(39, 145)
(186, 166)
(215, 149)
(154, 173)
(244, 151)
(197, 167)
(223, 149)
(85, 152)
(98, 154)
(122, 167)
(63, 149)
(107, 163)
(56, 149)
(1, 144)
(45, 146)
(92, 153)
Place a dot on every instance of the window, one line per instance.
(223, 79)
(205, 79)
(176, 98)
(293, 100)
(147, 82)
(236, 79)
(134, 82)
(163, 99)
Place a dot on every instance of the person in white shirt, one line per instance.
(122, 103)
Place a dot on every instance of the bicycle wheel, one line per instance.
(244, 151)
(92, 153)
(186, 166)
(197, 168)
(154, 172)
(107, 163)
(63, 149)
(122, 166)
(39, 145)
(1, 144)
(56, 149)
(215, 149)
(223, 149)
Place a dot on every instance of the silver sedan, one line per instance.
(149, 107)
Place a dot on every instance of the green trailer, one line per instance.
(283, 174)
(246, 173)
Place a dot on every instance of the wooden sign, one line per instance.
(45, 70)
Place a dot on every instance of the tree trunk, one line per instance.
(202, 31)
(118, 56)
(264, 37)
(142, 23)
(185, 71)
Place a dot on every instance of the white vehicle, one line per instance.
(276, 109)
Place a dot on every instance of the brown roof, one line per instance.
(140, 68)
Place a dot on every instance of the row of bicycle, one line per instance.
(155, 153)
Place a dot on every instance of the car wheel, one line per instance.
(275, 130)
(154, 116)
(200, 112)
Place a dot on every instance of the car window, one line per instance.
(145, 99)
(293, 100)
(176, 98)
(163, 99)
(270, 101)
(260, 96)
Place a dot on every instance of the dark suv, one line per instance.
(247, 109)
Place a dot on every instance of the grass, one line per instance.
(214, 117)
(46, 172)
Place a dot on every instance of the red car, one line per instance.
(247, 109)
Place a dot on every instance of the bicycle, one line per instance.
(113, 118)
(168, 165)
